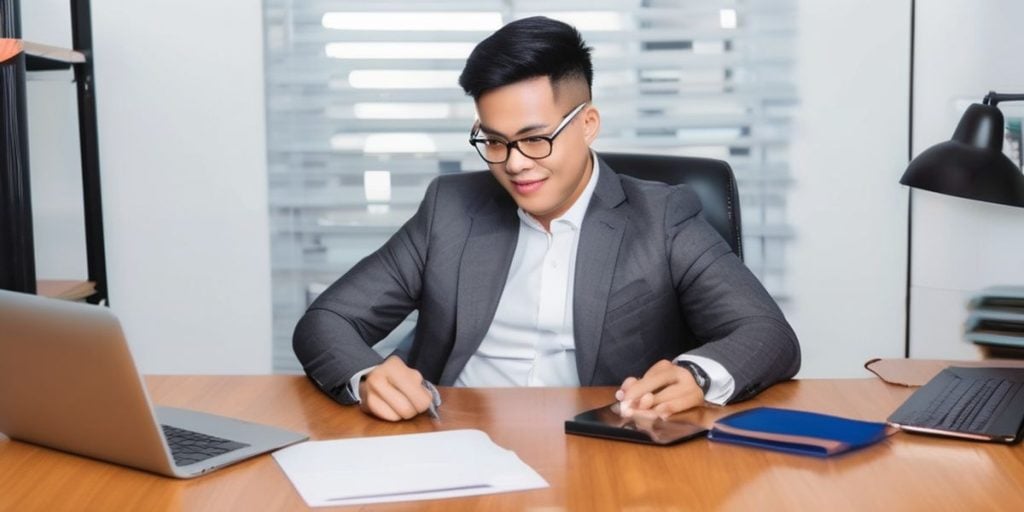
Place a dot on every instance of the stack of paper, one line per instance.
(403, 468)
(65, 289)
(996, 318)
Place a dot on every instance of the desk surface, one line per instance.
(905, 472)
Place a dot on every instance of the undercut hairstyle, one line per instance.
(528, 48)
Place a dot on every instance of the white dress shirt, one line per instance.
(530, 341)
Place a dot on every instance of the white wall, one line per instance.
(183, 161)
(180, 89)
(848, 261)
(58, 212)
(56, 180)
(965, 48)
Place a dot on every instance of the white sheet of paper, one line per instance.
(403, 468)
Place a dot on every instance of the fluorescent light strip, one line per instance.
(377, 186)
(398, 50)
(345, 142)
(409, 21)
(727, 18)
(399, 143)
(402, 110)
(402, 79)
(586, 21)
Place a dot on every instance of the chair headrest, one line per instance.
(711, 179)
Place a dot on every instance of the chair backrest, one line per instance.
(711, 179)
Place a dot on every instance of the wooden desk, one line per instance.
(903, 473)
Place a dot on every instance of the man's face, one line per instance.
(546, 187)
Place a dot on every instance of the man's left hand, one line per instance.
(664, 390)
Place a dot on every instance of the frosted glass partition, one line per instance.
(363, 109)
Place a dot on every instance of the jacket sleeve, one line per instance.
(735, 320)
(334, 338)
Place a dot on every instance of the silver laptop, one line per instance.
(68, 382)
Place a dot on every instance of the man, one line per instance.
(551, 269)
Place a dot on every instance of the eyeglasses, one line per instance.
(497, 151)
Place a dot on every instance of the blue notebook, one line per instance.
(804, 433)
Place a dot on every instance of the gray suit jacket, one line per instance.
(653, 280)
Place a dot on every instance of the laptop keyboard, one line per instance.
(966, 405)
(189, 447)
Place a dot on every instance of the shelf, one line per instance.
(42, 57)
(9, 48)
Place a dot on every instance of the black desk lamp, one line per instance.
(972, 164)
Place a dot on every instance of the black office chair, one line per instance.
(711, 179)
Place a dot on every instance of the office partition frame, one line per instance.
(17, 252)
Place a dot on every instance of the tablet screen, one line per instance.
(606, 422)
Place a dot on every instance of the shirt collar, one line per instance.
(574, 215)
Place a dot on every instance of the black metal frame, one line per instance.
(910, 191)
(17, 253)
(81, 34)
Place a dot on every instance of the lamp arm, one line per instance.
(993, 98)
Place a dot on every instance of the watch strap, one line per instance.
(699, 375)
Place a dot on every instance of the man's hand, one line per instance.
(392, 391)
(664, 390)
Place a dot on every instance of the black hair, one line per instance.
(527, 48)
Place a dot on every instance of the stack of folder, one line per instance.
(995, 320)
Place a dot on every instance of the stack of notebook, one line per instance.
(996, 320)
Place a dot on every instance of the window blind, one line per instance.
(364, 109)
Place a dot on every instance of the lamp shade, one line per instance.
(972, 164)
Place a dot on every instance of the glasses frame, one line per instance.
(509, 145)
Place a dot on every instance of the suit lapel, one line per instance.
(596, 257)
(483, 271)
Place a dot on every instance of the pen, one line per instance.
(435, 399)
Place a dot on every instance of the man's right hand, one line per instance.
(392, 391)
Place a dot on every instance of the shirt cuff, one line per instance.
(353, 383)
(722, 383)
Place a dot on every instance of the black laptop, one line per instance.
(983, 404)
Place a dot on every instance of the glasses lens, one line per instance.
(535, 147)
(493, 151)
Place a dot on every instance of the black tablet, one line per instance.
(606, 422)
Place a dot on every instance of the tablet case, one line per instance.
(800, 432)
